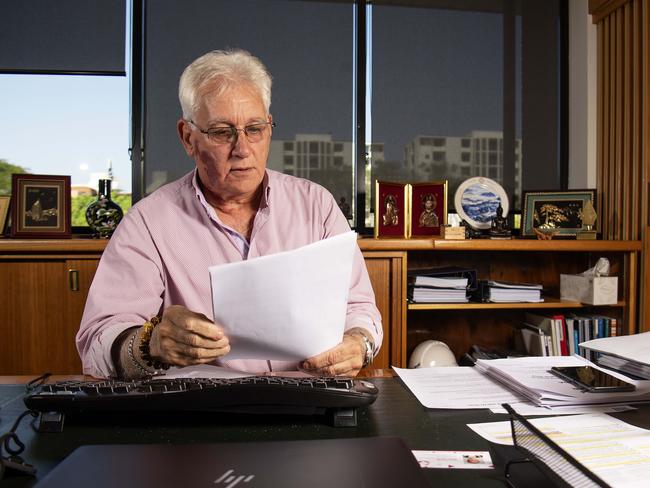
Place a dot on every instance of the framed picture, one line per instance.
(4, 211)
(40, 206)
(391, 209)
(428, 208)
(559, 211)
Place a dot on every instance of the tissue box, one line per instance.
(594, 290)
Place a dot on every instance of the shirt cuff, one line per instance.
(101, 362)
(364, 322)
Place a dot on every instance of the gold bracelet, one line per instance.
(145, 338)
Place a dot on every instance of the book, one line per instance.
(547, 325)
(536, 342)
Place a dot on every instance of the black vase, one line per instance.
(104, 214)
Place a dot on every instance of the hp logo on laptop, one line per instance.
(231, 480)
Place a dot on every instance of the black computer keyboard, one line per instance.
(336, 397)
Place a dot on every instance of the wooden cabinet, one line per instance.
(43, 288)
(490, 325)
(44, 283)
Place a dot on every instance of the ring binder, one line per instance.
(558, 465)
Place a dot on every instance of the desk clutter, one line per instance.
(580, 445)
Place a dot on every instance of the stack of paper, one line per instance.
(501, 291)
(530, 377)
(629, 354)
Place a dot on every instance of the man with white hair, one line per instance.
(149, 305)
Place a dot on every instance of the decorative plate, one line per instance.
(477, 200)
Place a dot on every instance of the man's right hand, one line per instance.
(183, 338)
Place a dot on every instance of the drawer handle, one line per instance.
(73, 279)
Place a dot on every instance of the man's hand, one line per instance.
(184, 338)
(345, 359)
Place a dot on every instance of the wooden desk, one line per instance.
(396, 412)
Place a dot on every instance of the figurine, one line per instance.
(428, 217)
(588, 216)
(390, 217)
(499, 228)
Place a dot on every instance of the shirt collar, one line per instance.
(266, 189)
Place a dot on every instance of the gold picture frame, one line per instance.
(428, 208)
(392, 210)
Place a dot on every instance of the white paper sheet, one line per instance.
(203, 371)
(287, 306)
(617, 452)
(455, 387)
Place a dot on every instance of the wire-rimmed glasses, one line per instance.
(227, 134)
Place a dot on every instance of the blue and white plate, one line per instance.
(477, 200)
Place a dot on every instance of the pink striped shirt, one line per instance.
(160, 254)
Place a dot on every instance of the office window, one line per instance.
(440, 74)
(71, 125)
(65, 98)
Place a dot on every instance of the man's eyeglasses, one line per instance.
(228, 134)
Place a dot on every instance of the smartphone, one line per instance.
(591, 379)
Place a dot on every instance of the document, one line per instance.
(617, 452)
(530, 377)
(287, 306)
(455, 388)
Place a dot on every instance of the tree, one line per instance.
(550, 214)
(6, 170)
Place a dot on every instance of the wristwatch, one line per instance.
(370, 353)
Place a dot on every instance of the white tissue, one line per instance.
(600, 269)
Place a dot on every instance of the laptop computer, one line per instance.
(377, 462)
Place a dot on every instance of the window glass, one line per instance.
(436, 99)
(67, 125)
(312, 85)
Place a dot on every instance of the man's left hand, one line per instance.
(345, 359)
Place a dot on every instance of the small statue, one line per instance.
(588, 215)
(499, 227)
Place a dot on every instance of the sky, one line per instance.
(63, 124)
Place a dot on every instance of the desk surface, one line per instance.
(396, 412)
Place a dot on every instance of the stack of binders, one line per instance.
(440, 285)
(508, 292)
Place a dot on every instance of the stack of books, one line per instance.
(440, 285)
(560, 335)
(628, 354)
